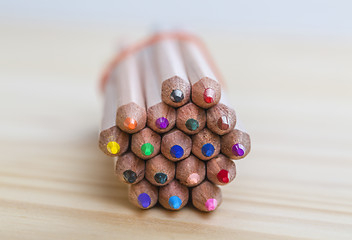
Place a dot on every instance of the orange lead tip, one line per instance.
(130, 123)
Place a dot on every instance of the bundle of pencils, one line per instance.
(168, 125)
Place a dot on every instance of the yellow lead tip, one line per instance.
(113, 147)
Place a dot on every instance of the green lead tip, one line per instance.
(147, 149)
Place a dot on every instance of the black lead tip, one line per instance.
(130, 176)
(160, 178)
(176, 95)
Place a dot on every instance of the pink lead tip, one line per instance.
(211, 204)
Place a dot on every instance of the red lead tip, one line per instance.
(209, 95)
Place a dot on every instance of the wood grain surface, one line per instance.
(293, 95)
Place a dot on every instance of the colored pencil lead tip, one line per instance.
(192, 124)
(208, 149)
(176, 151)
(238, 149)
(223, 176)
(211, 204)
(223, 123)
(193, 178)
(113, 147)
(175, 202)
(177, 95)
(129, 176)
(130, 123)
(162, 123)
(209, 95)
(147, 149)
(160, 178)
(144, 200)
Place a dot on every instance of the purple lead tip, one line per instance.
(144, 200)
(238, 149)
(162, 123)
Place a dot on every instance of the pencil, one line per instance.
(206, 196)
(112, 141)
(176, 145)
(129, 168)
(159, 170)
(190, 171)
(143, 194)
(160, 116)
(190, 118)
(173, 196)
(221, 118)
(221, 170)
(236, 144)
(206, 89)
(146, 143)
(131, 114)
(176, 88)
(206, 144)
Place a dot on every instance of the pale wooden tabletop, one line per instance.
(292, 93)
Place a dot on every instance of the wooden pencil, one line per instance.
(160, 116)
(173, 196)
(206, 144)
(206, 196)
(159, 170)
(236, 144)
(206, 89)
(221, 118)
(175, 145)
(190, 171)
(131, 113)
(112, 141)
(221, 170)
(190, 118)
(143, 194)
(129, 168)
(176, 88)
(146, 143)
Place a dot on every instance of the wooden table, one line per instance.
(293, 94)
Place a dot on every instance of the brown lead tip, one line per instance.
(146, 143)
(206, 197)
(191, 171)
(113, 142)
(236, 144)
(176, 145)
(159, 171)
(173, 196)
(221, 170)
(190, 118)
(143, 194)
(206, 144)
(129, 168)
(221, 119)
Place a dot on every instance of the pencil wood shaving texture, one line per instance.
(236, 144)
(159, 170)
(129, 168)
(176, 145)
(143, 194)
(160, 116)
(176, 88)
(190, 171)
(206, 144)
(112, 141)
(131, 114)
(173, 196)
(190, 118)
(206, 89)
(221, 170)
(206, 196)
(146, 143)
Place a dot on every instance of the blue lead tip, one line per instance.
(175, 202)
(208, 149)
(144, 200)
(176, 151)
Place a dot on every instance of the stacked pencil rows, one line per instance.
(170, 125)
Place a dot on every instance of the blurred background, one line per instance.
(288, 69)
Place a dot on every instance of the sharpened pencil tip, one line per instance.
(223, 123)
(176, 95)
(238, 149)
(211, 204)
(130, 123)
(162, 123)
(113, 147)
(160, 178)
(147, 149)
(129, 176)
(192, 124)
(193, 178)
(208, 149)
(223, 176)
(176, 151)
(175, 202)
(144, 200)
(209, 95)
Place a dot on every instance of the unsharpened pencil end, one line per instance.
(192, 124)
(208, 149)
(175, 202)
(176, 96)
(193, 178)
(160, 178)
(129, 176)
(113, 147)
(211, 204)
(144, 200)
(223, 123)
(162, 123)
(176, 151)
(238, 149)
(223, 176)
(209, 95)
(130, 123)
